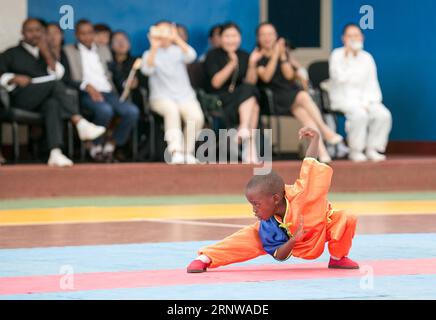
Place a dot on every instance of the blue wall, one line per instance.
(136, 16)
(403, 43)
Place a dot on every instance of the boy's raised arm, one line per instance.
(314, 136)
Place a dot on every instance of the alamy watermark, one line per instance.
(367, 20)
(66, 281)
(367, 280)
(226, 147)
(66, 21)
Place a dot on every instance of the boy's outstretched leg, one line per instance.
(340, 233)
(243, 245)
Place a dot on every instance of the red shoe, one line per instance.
(343, 263)
(197, 266)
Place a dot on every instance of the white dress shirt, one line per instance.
(93, 70)
(58, 73)
(353, 80)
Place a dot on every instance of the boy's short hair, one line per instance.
(270, 183)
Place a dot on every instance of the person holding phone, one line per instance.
(171, 93)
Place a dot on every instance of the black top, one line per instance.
(19, 61)
(285, 91)
(278, 81)
(120, 73)
(216, 59)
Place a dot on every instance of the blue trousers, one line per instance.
(104, 112)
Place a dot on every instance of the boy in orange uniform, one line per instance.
(294, 220)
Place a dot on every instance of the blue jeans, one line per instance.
(106, 110)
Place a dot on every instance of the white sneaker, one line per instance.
(373, 155)
(57, 159)
(357, 156)
(108, 148)
(95, 151)
(177, 158)
(190, 159)
(89, 131)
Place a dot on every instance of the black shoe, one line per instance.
(108, 157)
(119, 155)
(98, 157)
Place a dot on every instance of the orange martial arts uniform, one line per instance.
(321, 223)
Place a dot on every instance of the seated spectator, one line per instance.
(215, 36)
(122, 65)
(122, 61)
(31, 75)
(232, 76)
(102, 34)
(276, 72)
(171, 94)
(55, 38)
(86, 69)
(214, 40)
(355, 91)
(183, 32)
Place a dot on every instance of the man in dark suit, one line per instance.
(32, 76)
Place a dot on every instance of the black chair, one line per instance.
(17, 117)
(319, 72)
(268, 108)
(210, 103)
(150, 119)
